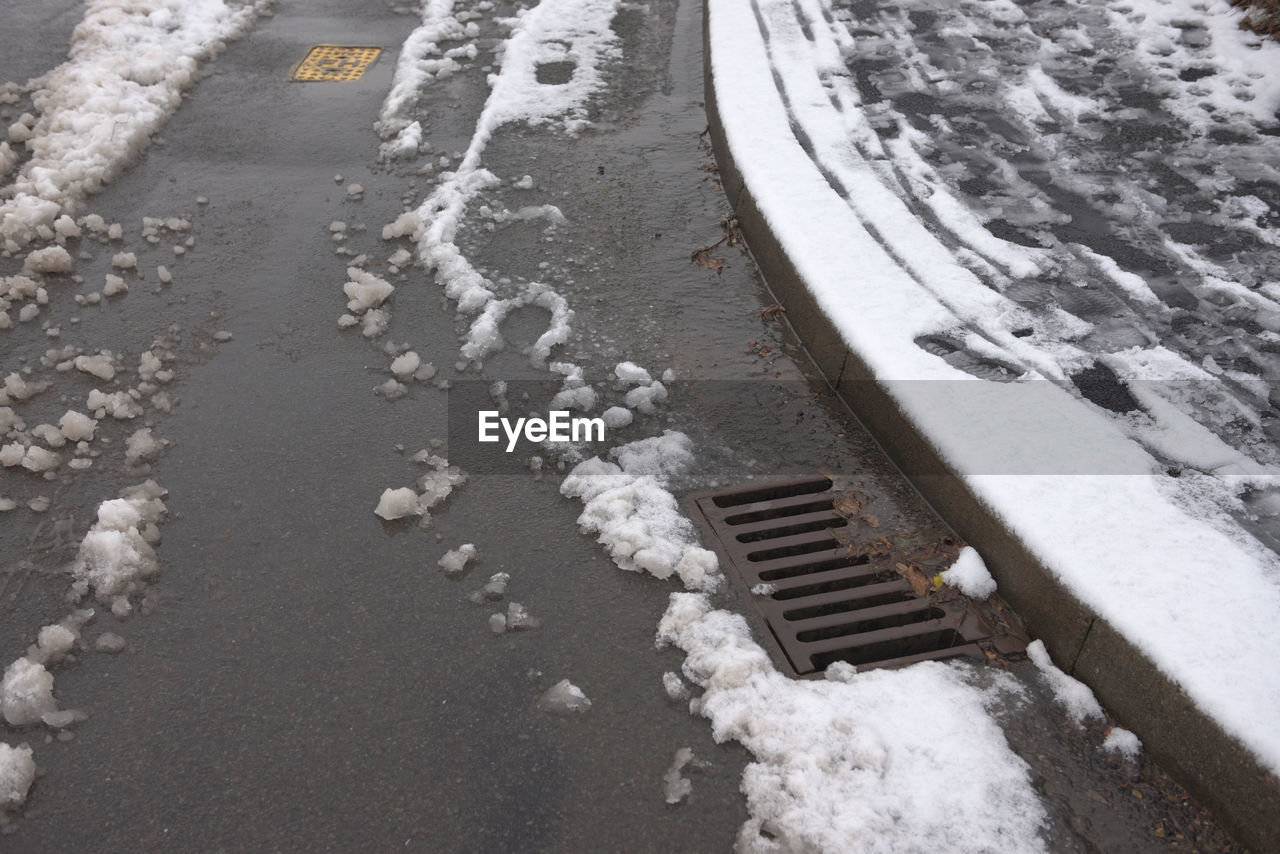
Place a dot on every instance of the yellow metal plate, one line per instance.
(330, 63)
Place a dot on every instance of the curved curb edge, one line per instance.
(1220, 772)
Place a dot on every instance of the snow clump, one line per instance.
(1122, 741)
(1074, 695)
(456, 560)
(969, 575)
(637, 519)
(117, 555)
(17, 773)
(26, 692)
(564, 698)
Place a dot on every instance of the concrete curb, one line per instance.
(1220, 772)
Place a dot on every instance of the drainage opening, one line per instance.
(876, 653)
(843, 585)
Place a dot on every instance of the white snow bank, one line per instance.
(128, 65)
(637, 519)
(839, 764)
(1127, 540)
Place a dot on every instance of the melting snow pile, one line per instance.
(637, 519)
(839, 764)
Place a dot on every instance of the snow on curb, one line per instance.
(1121, 536)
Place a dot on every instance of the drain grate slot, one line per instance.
(797, 570)
(838, 578)
(778, 512)
(841, 606)
(840, 625)
(933, 645)
(827, 521)
(736, 498)
(806, 544)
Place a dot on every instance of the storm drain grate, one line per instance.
(830, 588)
(330, 63)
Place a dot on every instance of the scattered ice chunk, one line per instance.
(76, 426)
(53, 643)
(115, 231)
(616, 417)
(51, 259)
(118, 405)
(675, 786)
(50, 435)
(17, 773)
(391, 390)
(7, 504)
(519, 619)
(1074, 696)
(764, 589)
(222, 336)
(354, 190)
(456, 560)
(109, 642)
(143, 447)
(12, 454)
(564, 698)
(1122, 741)
(494, 588)
(400, 257)
(406, 364)
(645, 398)
(26, 692)
(498, 623)
(163, 274)
(124, 261)
(365, 290)
(969, 575)
(397, 504)
(64, 719)
(28, 313)
(114, 285)
(66, 227)
(630, 372)
(39, 459)
(40, 504)
(337, 227)
(525, 183)
(674, 686)
(99, 366)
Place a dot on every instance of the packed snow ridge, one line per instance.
(128, 66)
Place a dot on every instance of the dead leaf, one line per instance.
(704, 259)
(846, 505)
(918, 580)
(772, 311)
(871, 520)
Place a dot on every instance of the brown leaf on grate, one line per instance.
(918, 580)
(847, 505)
(871, 520)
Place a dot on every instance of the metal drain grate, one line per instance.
(828, 591)
(330, 63)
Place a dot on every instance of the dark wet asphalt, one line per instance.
(309, 681)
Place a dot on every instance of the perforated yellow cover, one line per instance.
(331, 63)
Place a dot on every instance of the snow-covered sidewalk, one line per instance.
(993, 333)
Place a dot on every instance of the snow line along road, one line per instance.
(1139, 579)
